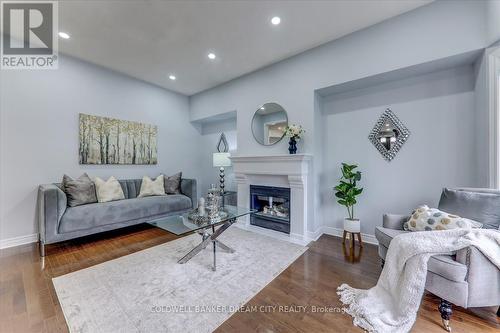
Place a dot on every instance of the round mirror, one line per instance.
(269, 123)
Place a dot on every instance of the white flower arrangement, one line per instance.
(294, 131)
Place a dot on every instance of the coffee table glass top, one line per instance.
(181, 224)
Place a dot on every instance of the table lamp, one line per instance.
(221, 160)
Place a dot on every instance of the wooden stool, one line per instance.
(351, 236)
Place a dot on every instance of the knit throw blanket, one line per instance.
(392, 305)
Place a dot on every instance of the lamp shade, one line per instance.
(221, 159)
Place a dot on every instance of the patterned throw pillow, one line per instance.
(427, 219)
(79, 191)
(152, 187)
(109, 190)
(173, 184)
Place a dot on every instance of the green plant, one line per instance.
(346, 191)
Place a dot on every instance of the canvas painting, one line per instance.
(113, 141)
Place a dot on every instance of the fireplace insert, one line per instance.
(273, 207)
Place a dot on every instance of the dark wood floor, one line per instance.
(28, 302)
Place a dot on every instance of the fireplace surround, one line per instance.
(292, 172)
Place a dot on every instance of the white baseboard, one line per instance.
(366, 238)
(16, 241)
(313, 236)
(310, 236)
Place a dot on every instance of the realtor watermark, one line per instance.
(245, 308)
(29, 35)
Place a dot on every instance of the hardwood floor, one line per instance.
(28, 302)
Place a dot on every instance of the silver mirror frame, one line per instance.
(400, 140)
(253, 118)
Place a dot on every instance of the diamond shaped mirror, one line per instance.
(389, 134)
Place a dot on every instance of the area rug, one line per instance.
(149, 291)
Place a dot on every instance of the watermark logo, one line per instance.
(29, 35)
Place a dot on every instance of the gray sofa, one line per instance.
(467, 278)
(58, 222)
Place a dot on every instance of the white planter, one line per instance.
(353, 225)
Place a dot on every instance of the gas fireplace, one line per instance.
(273, 207)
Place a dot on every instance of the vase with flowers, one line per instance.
(294, 132)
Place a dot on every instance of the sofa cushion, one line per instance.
(98, 214)
(479, 206)
(443, 265)
(385, 235)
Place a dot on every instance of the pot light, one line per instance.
(211, 56)
(276, 20)
(64, 35)
(172, 77)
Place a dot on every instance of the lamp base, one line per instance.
(221, 181)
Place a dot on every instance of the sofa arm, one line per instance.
(188, 188)
(394, 221)
(483, 278)
(51, 206)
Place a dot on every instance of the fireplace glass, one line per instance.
(273, 207)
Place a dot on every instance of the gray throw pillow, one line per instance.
(79, 191)
(173, 184)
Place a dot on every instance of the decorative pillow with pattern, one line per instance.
(109, 190)
(427, 219)
(152, 187)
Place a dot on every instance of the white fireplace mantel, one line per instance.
(291, 171)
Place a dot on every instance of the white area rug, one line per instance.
(149, 291)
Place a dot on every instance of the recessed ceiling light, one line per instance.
(172, 77)
(276, 20)
(64, 35)
(211, 56)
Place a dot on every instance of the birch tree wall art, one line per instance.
(113, 141)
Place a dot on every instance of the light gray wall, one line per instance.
(39, 131)
(431, 32)
(482, 130)
(487, 69)
(437, 108)
(210, 135)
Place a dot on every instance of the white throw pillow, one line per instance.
(427, 219)
(109, 190)
(152, 187)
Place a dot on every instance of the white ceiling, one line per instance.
(151, 39)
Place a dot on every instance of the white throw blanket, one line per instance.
(392, 305)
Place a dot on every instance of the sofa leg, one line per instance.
(445, 310)
(42, 249)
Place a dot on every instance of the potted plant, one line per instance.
(294, 132)
(346, 192)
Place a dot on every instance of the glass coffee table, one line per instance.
(181, 225)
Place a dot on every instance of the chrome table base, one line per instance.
(208, 238)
